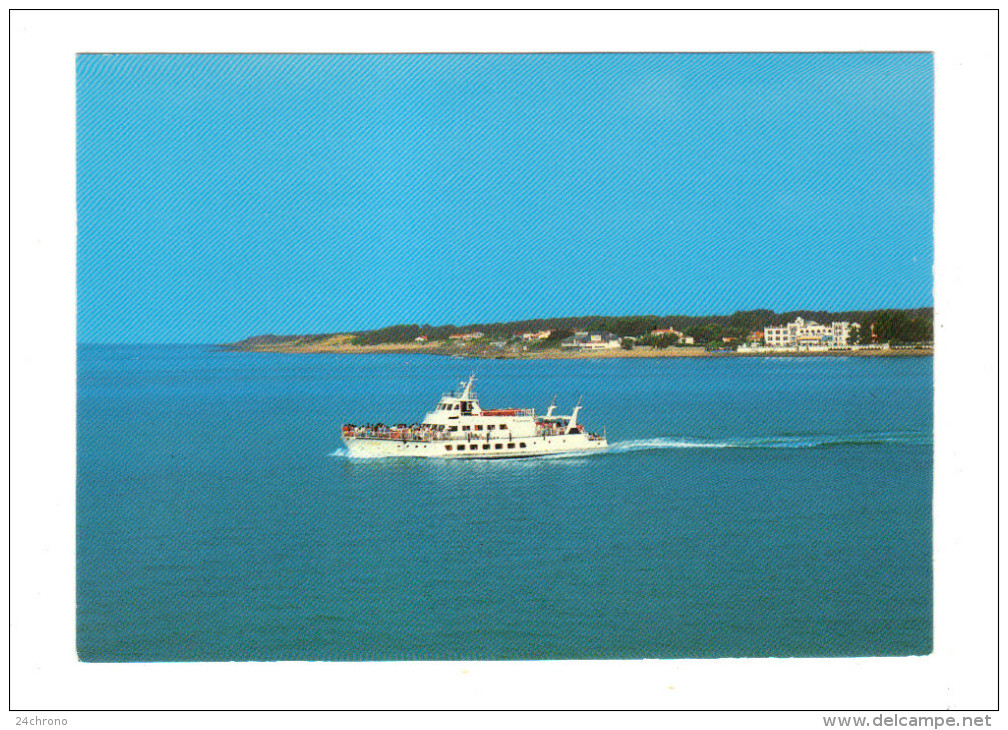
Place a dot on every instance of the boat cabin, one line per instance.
(459, 414)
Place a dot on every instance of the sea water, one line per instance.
(747, 507)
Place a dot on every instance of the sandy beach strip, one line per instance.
(342, 347)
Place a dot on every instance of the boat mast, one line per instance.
(572, 424)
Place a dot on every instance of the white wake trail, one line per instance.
(769, 442)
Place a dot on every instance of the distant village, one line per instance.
(751, 332)
(798, 336)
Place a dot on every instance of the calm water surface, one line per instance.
(748, 507)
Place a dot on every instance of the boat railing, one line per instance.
(493, 412)
(395, 434)
(548, 428)
(415, 434)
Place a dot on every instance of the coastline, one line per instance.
(342, 347)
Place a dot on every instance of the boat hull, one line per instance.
(519, 447)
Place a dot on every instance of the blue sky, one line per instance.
(224, 196)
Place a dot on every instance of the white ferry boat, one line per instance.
(458, 428)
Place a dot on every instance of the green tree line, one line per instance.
(897, 326)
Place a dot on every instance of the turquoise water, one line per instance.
(749, 507)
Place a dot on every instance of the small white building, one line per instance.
(592, 341)
(540, 335)
(466, 336)
(672, 332)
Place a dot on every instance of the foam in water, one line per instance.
(770, 442)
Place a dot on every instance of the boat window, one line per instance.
(498, 446)
(453, 428)
(479, 428)
(522, 444)
(473, 447)
(503, 425)
(486, 447)
(490, 427)
(448, 447)
(465, 428)
(511, 445)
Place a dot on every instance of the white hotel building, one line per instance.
(802, 335)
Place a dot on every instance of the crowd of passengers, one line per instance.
(409, 432)
(439, 432)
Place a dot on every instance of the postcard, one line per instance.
(503, 360)
(504, 356)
